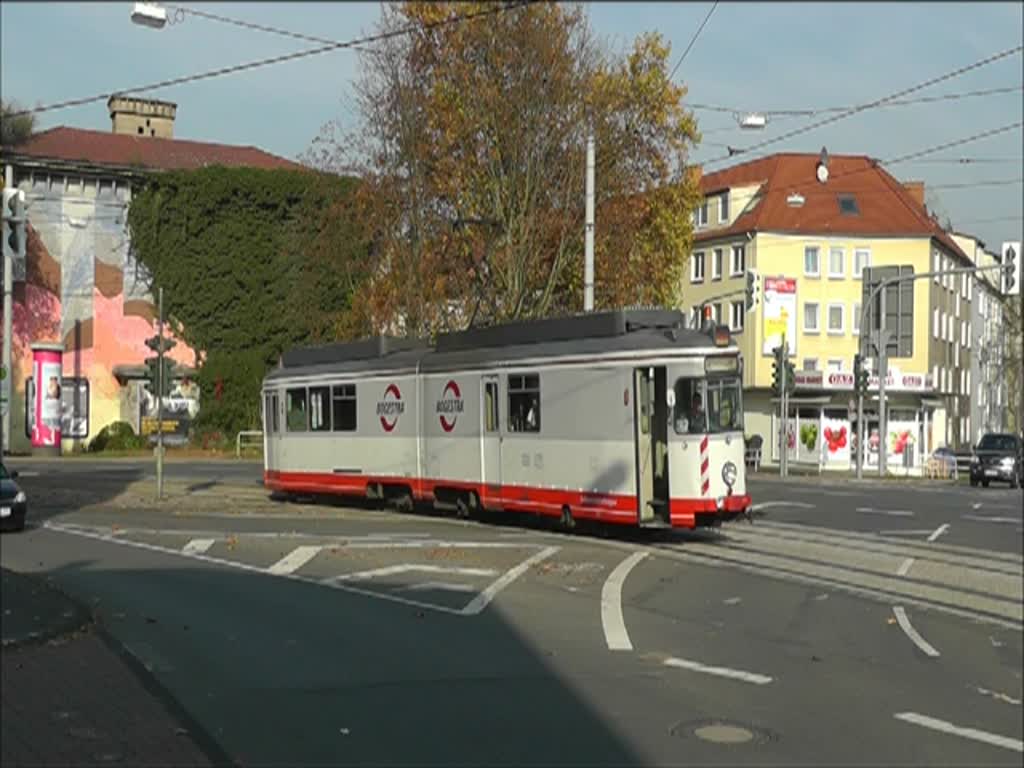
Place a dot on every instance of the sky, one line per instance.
(749, 57)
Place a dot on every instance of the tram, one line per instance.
(625, 417)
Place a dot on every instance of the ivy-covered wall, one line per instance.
(252, 262)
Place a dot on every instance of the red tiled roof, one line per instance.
(123, 150)
(885, 207)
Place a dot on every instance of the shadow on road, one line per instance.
(284, 672)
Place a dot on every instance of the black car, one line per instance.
(997, 457)
(13, 503)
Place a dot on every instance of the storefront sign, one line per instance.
(840, 381)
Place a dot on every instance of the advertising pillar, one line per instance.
(47, 370)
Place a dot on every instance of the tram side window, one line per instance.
(689, 416)
(524, 403)
(344, 406)
(319, 413)
(491, 406)
(295, 407)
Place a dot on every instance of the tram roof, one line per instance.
(598, 334)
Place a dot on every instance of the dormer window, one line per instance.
(700, 215)
(723, 208)
(848, 205)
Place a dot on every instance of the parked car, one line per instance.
(13, 502)
(997, 457)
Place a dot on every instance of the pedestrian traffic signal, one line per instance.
(753, 296)
(14, 223)
(1011, 269)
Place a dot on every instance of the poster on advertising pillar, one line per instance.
(779, 308)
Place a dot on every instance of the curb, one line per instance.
(200, 736)
(81, 620)
(91, 621)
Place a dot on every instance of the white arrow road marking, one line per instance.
(614, 625)
(735, 674)
(770, 504)
(999, 696)
(939, 531)
(920, 642)
(392, 570)
(892, 512)
(295, 559)
(915, 532)
(481, 601)
(441, 586)
(956, 730)
(905, 567)
(198, 546)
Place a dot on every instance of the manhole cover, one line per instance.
(718, 731)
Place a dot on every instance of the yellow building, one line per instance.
(808, 234)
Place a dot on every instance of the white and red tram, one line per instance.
(621, 417)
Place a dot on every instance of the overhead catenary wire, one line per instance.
(367, 40)
(252, 26)
(813, 112)
(873, 104)
(693, 40)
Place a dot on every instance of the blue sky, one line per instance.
(750, 56)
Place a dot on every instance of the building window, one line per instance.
(344, 407)
(810, 363)
(836, 319)
(736, 321)
(836, 262)
(319, 415)
(717, 309)
(835, 366)
(524, 403)
(936, 266)
(739, 259)
(717, 257)
(861, 259)
(811, 320)
(935, 322)
(935, 376)
(856, 319)
(723, 208)
(811, 265)
(697, 267)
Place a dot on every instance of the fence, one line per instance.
(247, 433)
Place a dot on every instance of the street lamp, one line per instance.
(149, 15)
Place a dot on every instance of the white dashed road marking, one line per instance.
(939, 531)
(967, 733)
(443, 586)
(908, 629)
(735, 674)
(392, 570)
(891, 512)
(614, 625)
(295, 559)
(481, 601)
(905, 567)
(198, 546)
(770, 504)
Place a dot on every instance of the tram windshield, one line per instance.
(707, 405)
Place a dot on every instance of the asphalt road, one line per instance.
(299, 633)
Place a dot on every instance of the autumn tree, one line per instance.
(471, 145)
(16, 126)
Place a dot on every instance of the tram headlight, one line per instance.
(729, 474)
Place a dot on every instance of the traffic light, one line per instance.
(778, 364)
(14, 223)
(1011, 269)
(153, 365)
(753, 297)
(790, 377)
(860, 375)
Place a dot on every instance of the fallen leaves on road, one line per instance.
(890, 620)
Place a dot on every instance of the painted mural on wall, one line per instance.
(83, 288)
